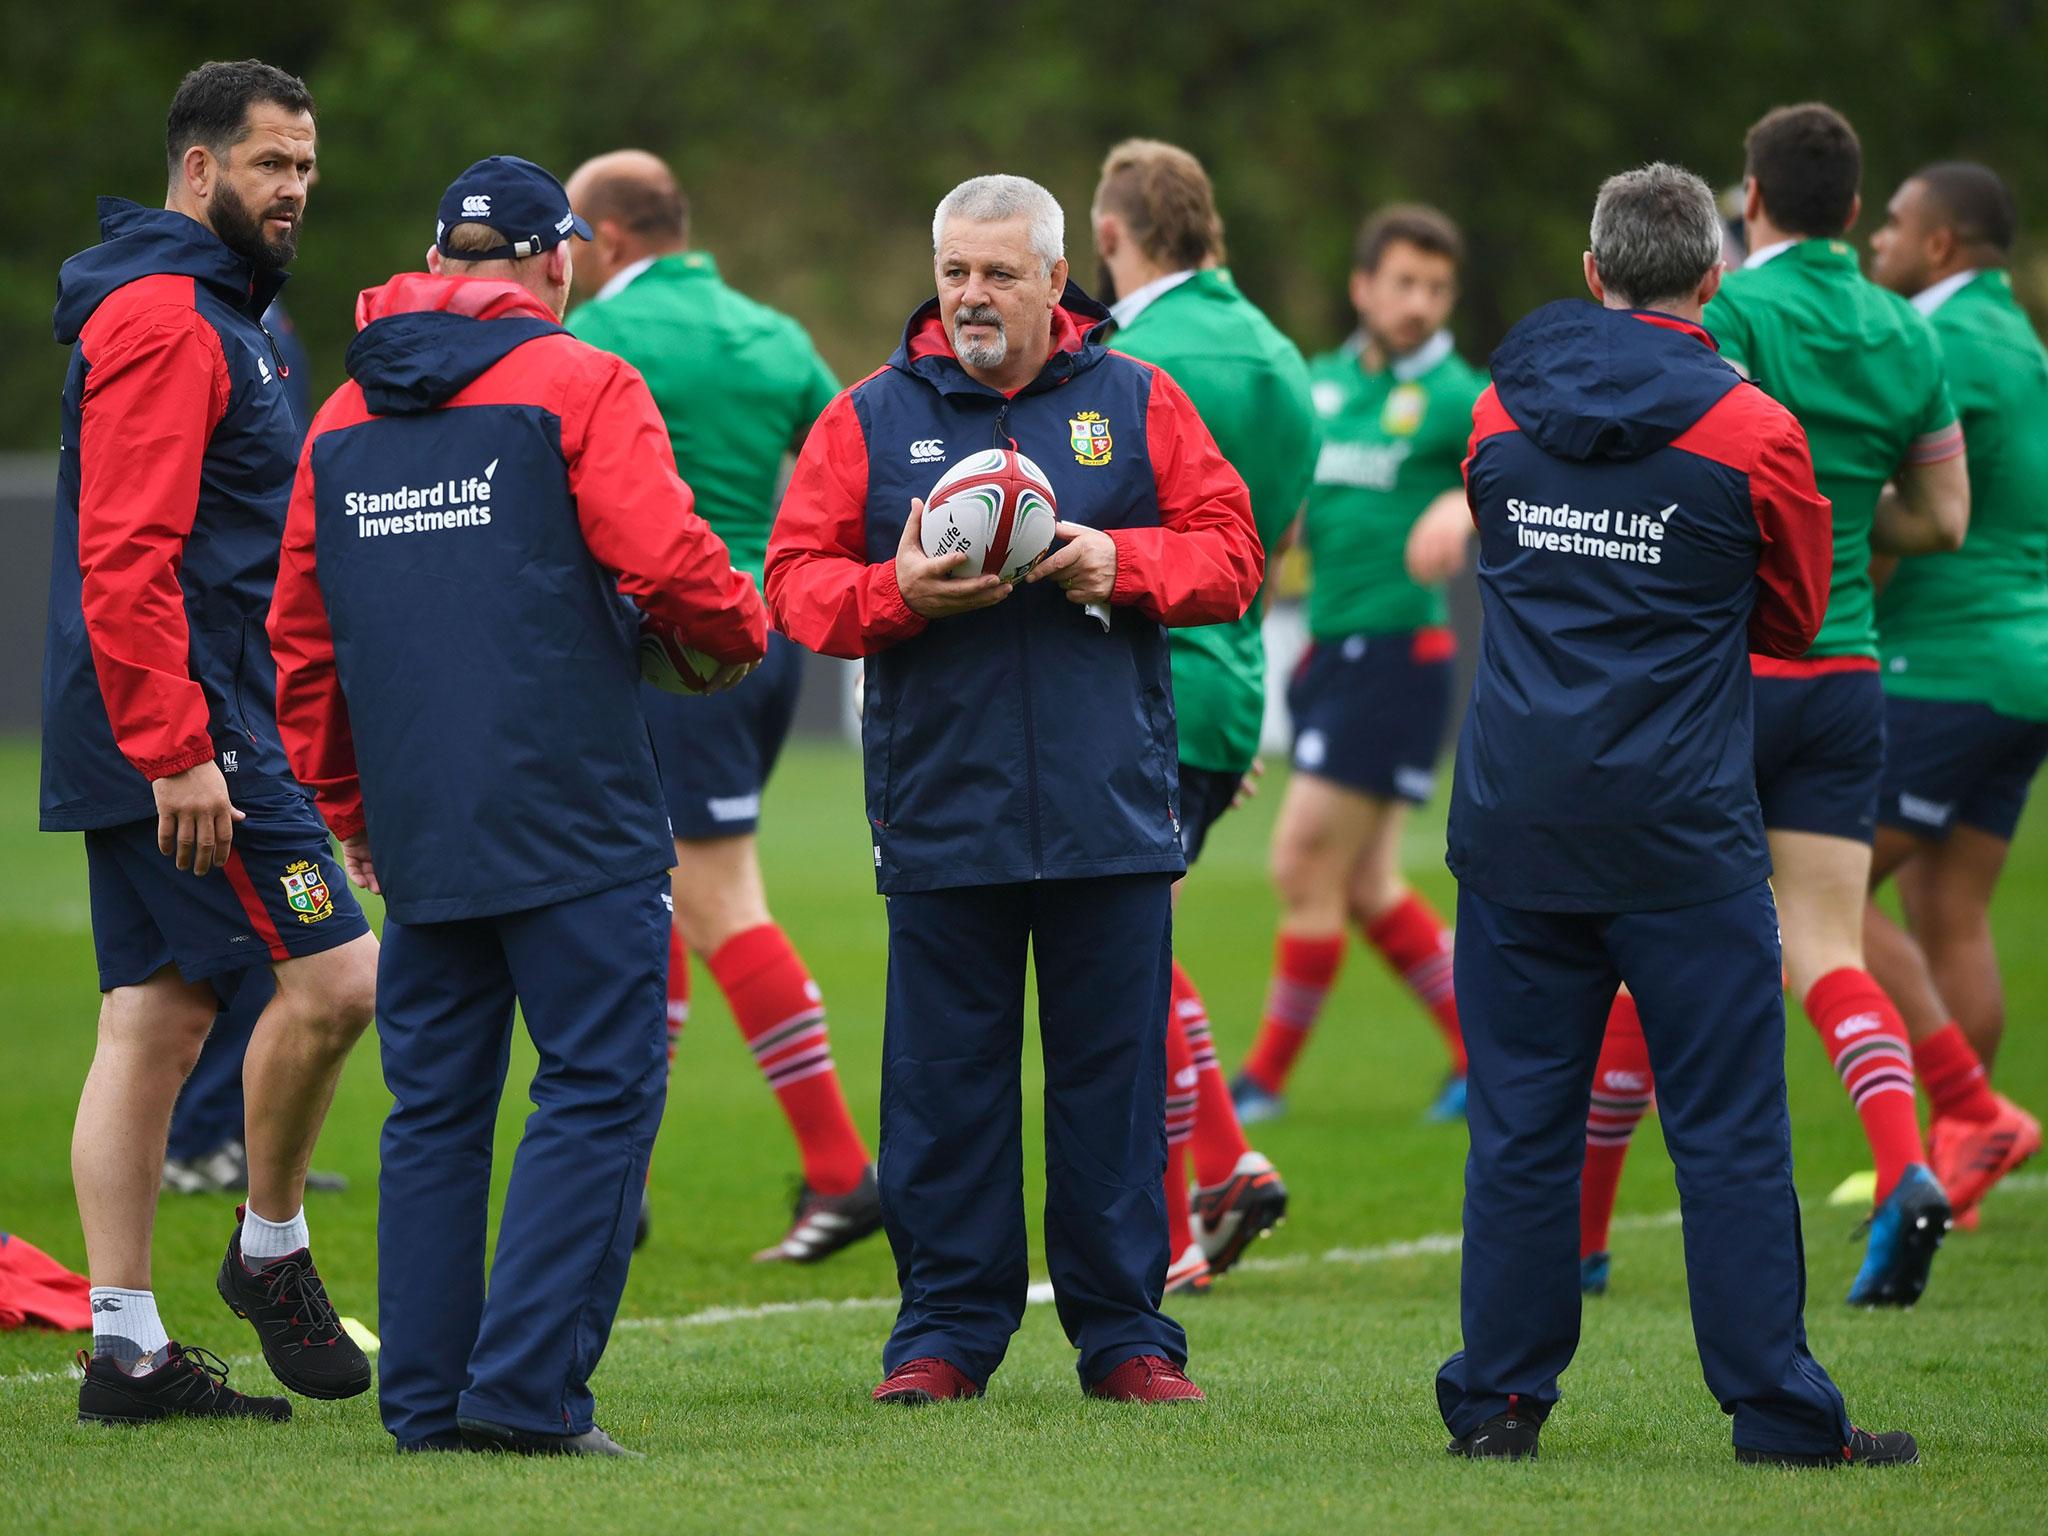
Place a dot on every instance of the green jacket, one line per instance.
(1251, 387)
(738, 384)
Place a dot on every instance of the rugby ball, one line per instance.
(672, 666)
(997, 508)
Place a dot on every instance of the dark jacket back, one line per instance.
(1646, 519)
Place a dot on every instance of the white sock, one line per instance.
(266, 1241)
(125, 1326)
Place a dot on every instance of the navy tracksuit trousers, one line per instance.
(951, 1164)
(1533, 995)
(590, 976)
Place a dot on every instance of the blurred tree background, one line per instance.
(814, 139)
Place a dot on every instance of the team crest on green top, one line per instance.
(305, 889)
(1401, 416)
(1089, 435)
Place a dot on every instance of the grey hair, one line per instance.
(992, 199)
(1656, 234)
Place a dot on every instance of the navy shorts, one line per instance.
(1948, 762)
(1205, 794)
(1369, 711)
(1820, 753)
(716, 750)
(280, 894)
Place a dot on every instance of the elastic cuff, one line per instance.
(897, 616)
(1125, 589)
(345, 824)
(193, 754)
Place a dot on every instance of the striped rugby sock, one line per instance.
(1180, 1130)
(1622, 1090)
(782, 1015)
(1219, 1139)
(678, 991)
(1416, 945)
(1303, 971)
(1866, 1040)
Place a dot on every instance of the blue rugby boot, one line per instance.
(1904, 1232)
(1593, 1275)
(1450, 1101)
(1254, 1105)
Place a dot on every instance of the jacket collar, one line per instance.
(1077, 326)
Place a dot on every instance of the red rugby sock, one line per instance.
(1219, 1139)
(1413, 940)
(1303, 970)
(1621, 1097)
(1866, 1040)
(782, 1014)
(678, 991)
(1180, 1129)
(1953, 1075)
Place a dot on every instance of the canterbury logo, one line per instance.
(927, 450)
(1628, 1082)
(1857, 1024)
(477, 206)
(106, 1304)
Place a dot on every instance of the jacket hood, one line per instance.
(423, 339)
(1077, 322)
(138, 242)
(1587, 383)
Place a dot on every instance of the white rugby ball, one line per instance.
(997, 508)
(672, 666)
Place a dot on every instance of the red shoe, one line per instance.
(929, 1380)
(1147, 1379)
(1969, 1156)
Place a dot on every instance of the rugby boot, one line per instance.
(1252, 1102)
(824, 1224)
(1969, 1156)
(1593, 1274)
(1449, 1103)
(1229, 1217)
(1904, 1234)
(1189, 1275)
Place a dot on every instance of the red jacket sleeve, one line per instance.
(822, 589)
(312, 715)
(1797, 524)
(156, 386)
(1489, 419)
(1203, 563)
(641, 523)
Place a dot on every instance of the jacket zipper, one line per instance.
(1004, 440)
(283, 368)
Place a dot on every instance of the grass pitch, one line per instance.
(747, 1384)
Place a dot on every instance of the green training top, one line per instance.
(1972, 624)
(1862, 371)
(1250, 386)
(738, 384)
(1392, 443)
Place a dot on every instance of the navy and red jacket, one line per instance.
(174, 469)
(1646, 519)
(482, 516)
(1018, 742)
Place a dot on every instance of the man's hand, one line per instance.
(195, 819)
(929, 588)
(355, 858)
(1437, 540)
(1085, 566)
(730, 675)
(1248, 787)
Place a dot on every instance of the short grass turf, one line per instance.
(747, 1384)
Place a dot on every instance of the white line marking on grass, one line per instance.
(1430, 1245)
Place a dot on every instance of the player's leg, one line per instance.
(1239, 1195)
(1321, 828)
(591, 975)
(205, 1153)
(1189, 1269)
(1536, 986)
(951, 1161)
(1413, 940)
(444, 1033)
(1622, 1091)
(1706, 982)
(1102, 1011)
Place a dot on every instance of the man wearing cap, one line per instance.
(487, 517)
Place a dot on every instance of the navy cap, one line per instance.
(518, 199)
